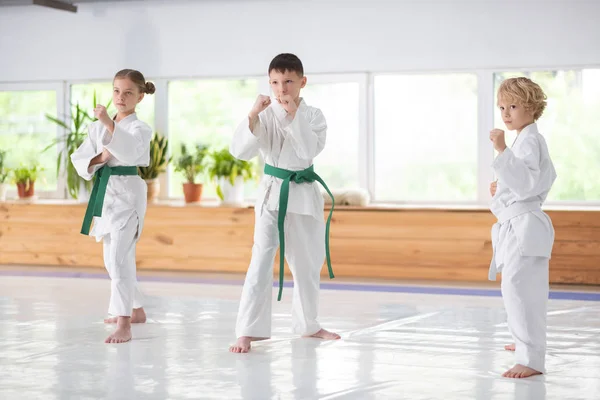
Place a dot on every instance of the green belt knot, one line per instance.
(96, 202)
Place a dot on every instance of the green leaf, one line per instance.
(57, 121)
(58, 163)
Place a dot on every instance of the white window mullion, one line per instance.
(485, 122)
(161, 122)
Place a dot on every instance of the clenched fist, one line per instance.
(497, 137)
(261, 104)
(288, 103)
(493, 187)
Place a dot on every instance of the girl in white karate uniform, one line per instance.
(113, 150)
(523, 237)
(288, 134)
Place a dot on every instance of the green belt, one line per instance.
(94, 208)
(306, 175)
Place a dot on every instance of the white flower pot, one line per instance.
(3, 191)
(232, 195)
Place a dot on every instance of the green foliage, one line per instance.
(73, 138)
(158, 158)
(191, 165)
(223, 165)
(26, 175)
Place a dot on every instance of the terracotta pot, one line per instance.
(25, 193)
(192, 192)
(153, 189)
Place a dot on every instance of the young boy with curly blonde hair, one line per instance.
(523, 237)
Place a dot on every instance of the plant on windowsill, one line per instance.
(229, 174)
(76, 133)
(25, 178)
(191, 165)
(158, 165)
(4, 171)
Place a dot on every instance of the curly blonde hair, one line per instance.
(526, 92)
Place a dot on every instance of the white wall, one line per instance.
(238, 38)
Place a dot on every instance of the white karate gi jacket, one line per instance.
(125, 195)
(525, 175)
(288, 144)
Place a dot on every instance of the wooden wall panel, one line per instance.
(365, 243)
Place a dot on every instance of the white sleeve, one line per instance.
(82, 157)
(520, 174)
(245, 143)
(307, 137)
(128, 145)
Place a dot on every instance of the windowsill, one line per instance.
(212, 203)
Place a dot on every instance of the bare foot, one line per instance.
(323, 334)
(520, 371)
(138, 316)
(123, 332)
(510, 347)
(242, 345)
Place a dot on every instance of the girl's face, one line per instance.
(126, 95)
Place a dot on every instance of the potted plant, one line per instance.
(25, 178)
(3, 176)
(158, 165)
(229, 174)
(75, 134)
(191, 165)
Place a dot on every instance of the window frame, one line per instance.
(367, 135)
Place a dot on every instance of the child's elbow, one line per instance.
(240, 154)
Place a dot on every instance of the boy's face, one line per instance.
(514, 115)
(126, 95)
(286, 83)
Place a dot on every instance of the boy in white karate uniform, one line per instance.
(523, 237)
(288, 134)
(112, 152)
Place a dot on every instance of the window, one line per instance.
(25, 132)
(207, 112)
(425, 138)
(340, 104)
(569, 124)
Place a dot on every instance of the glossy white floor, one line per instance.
(434, 343)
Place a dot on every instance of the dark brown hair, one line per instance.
(137, 78)
(287, 62)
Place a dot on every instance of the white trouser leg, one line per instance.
(138, 296)
(305, 254)
(525, 291)
(119, 259)
(254, 314)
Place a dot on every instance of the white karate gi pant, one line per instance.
(119, 260)
(525, 292)
(305, 254)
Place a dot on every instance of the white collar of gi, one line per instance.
(130, 118)
(531, 128)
